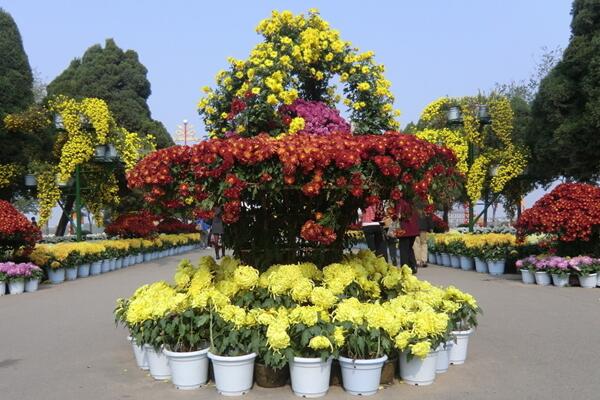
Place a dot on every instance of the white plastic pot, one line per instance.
(430, 257)
(189, 370)
(2, 288)
(443, 357)
(56, 275)
(16, 286)
(31, 285)
(445, 259)
(96, 268)
(527, 276)
(560, 281)
(233, 375)
(454, 261)
(83, 270)
(496, 267)
(588, 281)
(119, 263)
(139, 352)
(598, 284)
(417, 371)
(542, 278)
(481, 265)
(147, 257)
(310, 376)
(105, 266)
(70, 274)
(158, 363)
(361, 377)
(459, 350)
(467, 263)
(139, 258)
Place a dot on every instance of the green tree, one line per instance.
(563, 134)
(119, 78)
(16, 78)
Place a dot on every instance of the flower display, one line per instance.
(133, 225)
(12, 272)
(311, 184)
(298, 59)
(173, 225)
(505, 156)
(17, 234)
(319, 119)
(580, 265)
(252, 312)
(570, 212)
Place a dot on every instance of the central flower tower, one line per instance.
(287, 170)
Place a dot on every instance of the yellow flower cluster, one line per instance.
(416, 317)
(32, 120)
(48, 193)
(8, 172)
(508, 158)
(44, 254)
(298, 45)
(475, 240)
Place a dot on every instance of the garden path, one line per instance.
(61, 343)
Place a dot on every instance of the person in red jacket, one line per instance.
(409, 223)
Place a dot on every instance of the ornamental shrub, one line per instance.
(133, 225)
(17, 234)
(173, 225)
(571, 214)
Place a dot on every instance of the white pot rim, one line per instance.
(363, 361)
(589, 275)
(231, 358)
(463, 333)
(184, 354)
(541, 272)
(311, 360)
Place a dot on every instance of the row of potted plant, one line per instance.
(485, 253)
(21, 277)
(72, 260)
(549, 269)
(297, 319)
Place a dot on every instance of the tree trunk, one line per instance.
(445, 214)
(64, 218)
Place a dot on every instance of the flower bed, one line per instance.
(81, 259)
(19, 277)
(472, 251)
(361, 308)
(544, 269)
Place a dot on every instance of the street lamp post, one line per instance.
(454, 120)
(185, 133)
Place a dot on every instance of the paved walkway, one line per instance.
(533, 343)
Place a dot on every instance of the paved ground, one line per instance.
(533, 343)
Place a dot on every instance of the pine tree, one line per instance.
(117, 77)
(565, 130)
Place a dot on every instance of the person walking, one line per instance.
(216, 233)
(409, 231)
(373, 231)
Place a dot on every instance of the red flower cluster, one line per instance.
(133, 225)
(330, 171)
(16, 231)
(439, 225)
(570, 212)
(172, 225)
(314, 232)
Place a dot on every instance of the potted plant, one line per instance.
(560, 269)
(542, 274)
(56, 272)
(313, 349)
(35, 276)
(462, 323)
(478, 252)
(454, 249)
(364, 345)
(233, 349)
(465, 255)
(139, 352)
(70, 264)
(186, 345)
(15, 276)
(586, 269)
(495, 256)
(271, 367)
(527, 268)
(443, 252)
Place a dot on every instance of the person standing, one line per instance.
(373, 231)
(420, 247)
(216, 233)
(409, 224)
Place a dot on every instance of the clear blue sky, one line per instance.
(430, 48)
